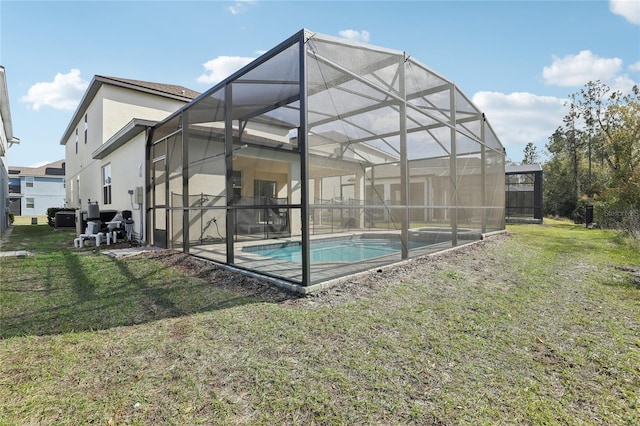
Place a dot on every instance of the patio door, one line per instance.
(159, 185)
(264, 190)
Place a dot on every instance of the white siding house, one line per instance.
(32, 190)
(105, 142)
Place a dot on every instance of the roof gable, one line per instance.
(170, 91)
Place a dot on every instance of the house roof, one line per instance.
(57, 168)
(170, 91)
(5, 111)
(523, 168)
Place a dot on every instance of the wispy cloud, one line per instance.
(355, 35)
(628, 9)
(221, 67)
(240, 6)
(577, 70)
(64, 92)
(635, 67)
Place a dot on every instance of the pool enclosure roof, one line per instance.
(353, 139)
(358, 98)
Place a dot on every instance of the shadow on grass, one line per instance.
(69, 291)
(82, 286)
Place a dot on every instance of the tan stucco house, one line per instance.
(105, 142)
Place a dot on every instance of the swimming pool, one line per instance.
(351, 250)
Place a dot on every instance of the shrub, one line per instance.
(625, 220)
(11, 217)
(51, 215)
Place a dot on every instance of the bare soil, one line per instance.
(362, 286)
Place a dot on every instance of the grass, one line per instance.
(539, 328)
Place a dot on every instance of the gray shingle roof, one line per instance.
(52, 169)
(170, 89)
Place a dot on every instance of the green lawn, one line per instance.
(540, 327)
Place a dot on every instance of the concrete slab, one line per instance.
(15, 253)
(129, 251)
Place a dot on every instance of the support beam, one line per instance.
(228, 149)
(404, 164)
(453, 161)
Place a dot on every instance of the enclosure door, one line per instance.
(159, 186)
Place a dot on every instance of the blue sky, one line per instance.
(517, 60)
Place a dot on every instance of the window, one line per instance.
(106, 184)
(237, 184)
(14, 185)
(85, 129)
(28, 181)
(31, 204)
(76, 141)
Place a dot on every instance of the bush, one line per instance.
(51, 215)
(627, 220)
(12, 217)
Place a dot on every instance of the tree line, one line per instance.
(595, 157)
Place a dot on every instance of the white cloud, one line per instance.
(577, 70)
(519, 118)
(240, 6)
(355, 35)
(64, 92)
(221, 67)
(635, 67)
(622, 83)
(628, 9)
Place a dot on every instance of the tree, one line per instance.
(596, 151)
(531, 155)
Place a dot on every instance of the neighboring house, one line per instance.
(106, 138)
(6, 140)
(32, 190)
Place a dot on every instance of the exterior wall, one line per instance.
(110, 110)
(4, 196)
(4, 179)
(46, 192)
(127, 174)
(120, 105)
(82, 172)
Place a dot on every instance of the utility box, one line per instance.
(588, 215)
(139, 195)
(65, 219)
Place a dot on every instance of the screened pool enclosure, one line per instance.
(323, 158)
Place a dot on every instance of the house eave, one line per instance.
(122, 136)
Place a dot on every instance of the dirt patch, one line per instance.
(362, 286)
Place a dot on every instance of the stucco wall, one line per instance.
(127, 173)
(109, 111)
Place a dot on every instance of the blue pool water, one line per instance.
(335, 250)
